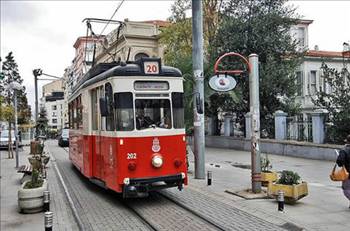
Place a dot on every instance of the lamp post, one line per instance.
(38, 72)
(15, 86)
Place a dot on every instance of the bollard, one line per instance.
(209, 177)
(46, 201)
(280, 199)
(48, 221)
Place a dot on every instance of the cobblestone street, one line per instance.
(101, 209)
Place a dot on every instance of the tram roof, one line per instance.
(103, 71)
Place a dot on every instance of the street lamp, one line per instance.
(38, 72)
(15, 86)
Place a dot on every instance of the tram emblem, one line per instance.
(156, 145)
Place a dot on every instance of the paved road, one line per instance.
(325, 208)
(101, 209)
(98, 209)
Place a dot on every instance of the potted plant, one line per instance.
(267, 175)
(31, 192)
(290, 183)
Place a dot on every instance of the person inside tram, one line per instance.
(143, 121)
(165, 121)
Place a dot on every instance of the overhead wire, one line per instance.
(89, 28)
(120, 4)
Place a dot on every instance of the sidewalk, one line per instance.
(325, 208)
(11, 219)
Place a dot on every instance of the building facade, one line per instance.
(309, 75)
(84, 50)
(131, 41)
(53, 102)
(309, 80)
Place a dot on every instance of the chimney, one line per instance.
(316, 48)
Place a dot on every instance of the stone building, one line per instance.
(84, 49)
(131, 41)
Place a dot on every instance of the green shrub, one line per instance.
(36, 182)
(289, 178)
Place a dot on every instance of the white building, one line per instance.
(300, 33)
(309, 78)
(54, 104)
(309, 75)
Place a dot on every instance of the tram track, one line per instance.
(161, 212)
(201, 216)
(99, 209)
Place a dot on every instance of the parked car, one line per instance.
(4, 138)
(63, 140)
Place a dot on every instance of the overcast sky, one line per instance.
(41, 34)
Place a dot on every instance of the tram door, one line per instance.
(97, 159)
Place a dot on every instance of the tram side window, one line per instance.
(178, 110)
(109, 98)
(79, 115)
(94, 112)
(70, 114)
(124, 111)
(75, 114)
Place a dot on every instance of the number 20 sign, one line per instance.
(151, 68)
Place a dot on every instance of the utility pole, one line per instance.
(198, 105)
(16, 126)
(15, 86)
(36, 73)
(255, 125)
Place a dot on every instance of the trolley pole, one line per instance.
(198, 105)
(255, 122)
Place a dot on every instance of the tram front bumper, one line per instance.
(140, 187)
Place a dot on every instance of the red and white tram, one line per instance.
(127, 127)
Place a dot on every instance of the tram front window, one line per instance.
(124, 115)
(152, 113)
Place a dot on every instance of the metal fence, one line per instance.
(299, 128)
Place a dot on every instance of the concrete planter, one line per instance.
(31, 200)
(268, 177)
(292, 193)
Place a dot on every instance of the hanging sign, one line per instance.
(222, 83)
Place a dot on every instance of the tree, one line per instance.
(336, 99)
(11, 74)
(177, 39)
(261, 27)
(41, 124)
(7, 113)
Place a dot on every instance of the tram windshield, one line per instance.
(153, 113)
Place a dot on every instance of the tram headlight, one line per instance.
(126, 181)
(157, 161)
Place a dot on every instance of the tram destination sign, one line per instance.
(151, 85)
(222, 83)
(151, 67)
